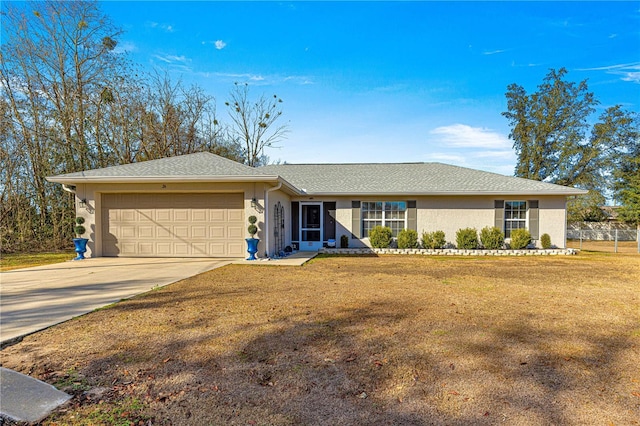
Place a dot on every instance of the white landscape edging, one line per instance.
(453, 252)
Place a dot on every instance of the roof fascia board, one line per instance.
(176, 179)
(443, 193)
(154, 179)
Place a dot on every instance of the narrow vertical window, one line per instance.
(515, 216)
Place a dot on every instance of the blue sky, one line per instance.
(389, 81)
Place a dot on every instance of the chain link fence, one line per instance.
(603, 236)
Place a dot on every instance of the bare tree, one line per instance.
(254, 123)
(54, 59)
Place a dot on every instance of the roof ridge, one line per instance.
(350, 164)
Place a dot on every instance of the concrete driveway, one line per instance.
(36, 298)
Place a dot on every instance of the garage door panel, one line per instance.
(236, 215)
(199, 248)
(217, 249)
(198, 232)
(181, 231)
(181, 215)
(216, 232)
(128, 216)
(199, 215)
(145, 231)
(128, 231)
(217, 215)
(235, 249)
(190, 225)
(146, 215)
(163, 249)
(163, 215)
(181, 249)
(235, 232)
(146, 249)
(128, 249)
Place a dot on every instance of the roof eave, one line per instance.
(156, 179)
(175, 179)
(444, 193)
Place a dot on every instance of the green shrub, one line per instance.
(408, 238)
(380, 237)
(252, 228)
(78, 228)
(545, 241)
(520, 238)
(492, 238)
(467, 238)
(344, 241)
(433, 240)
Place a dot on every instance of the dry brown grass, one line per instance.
(624, 247)
(367, 340)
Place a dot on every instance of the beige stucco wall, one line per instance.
(450, 213)
(92, 212)
(553, 219)
(447, 213)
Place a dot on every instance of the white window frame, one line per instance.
(383, 220)
(524, 222)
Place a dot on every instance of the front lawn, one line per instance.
(359, 340)
(26, 260)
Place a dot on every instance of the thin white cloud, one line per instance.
(259, 79)
(164, 27)
(172, 59)
(514, 64)
(494, 52)
(241, 76)
(464, 136)
(627, 72)
(220, 44)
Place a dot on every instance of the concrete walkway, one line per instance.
(25, 399)
(33, 299)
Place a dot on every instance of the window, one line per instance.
(383, 213)
(515, 216)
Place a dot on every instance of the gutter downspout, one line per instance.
(266, 216)
(68, 188)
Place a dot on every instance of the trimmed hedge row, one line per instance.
(489, 238)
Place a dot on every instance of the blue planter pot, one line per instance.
(252, 247)
(81, 247)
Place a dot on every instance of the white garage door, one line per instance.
(173, 225)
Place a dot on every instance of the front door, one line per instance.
(310, 226)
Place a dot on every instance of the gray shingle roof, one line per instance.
(347, 179)
(407, 178)
(199, 165)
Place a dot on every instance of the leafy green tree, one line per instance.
(627, 183)
(554, 140)
(586, 208)
(549, 125)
